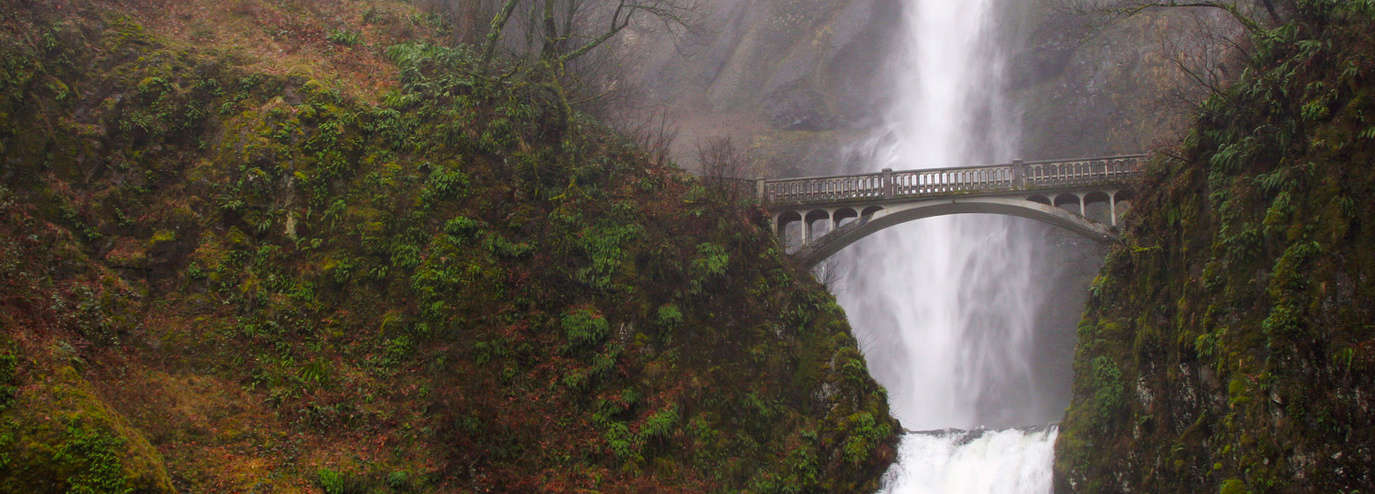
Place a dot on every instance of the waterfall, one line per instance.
(945, 307)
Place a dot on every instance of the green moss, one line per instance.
(1233, 486)
(59, 433)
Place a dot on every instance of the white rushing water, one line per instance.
(945, 306)
(1005, 461)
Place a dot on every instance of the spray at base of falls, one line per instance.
(974, 462)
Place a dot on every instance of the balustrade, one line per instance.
(1017, 176)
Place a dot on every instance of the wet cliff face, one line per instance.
(1227, 344)
(794, 80)
(1089, 83)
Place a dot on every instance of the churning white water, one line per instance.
(945, 306)
(1010, 460)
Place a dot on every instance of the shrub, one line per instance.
(461, 226)
(1232, 486)
(399, 480)
(710, 263)
(344, 37)
(604, 246)
(669, 316)
(445, 184)
(865, 434)
(8, 362)
(94, 458)
(333, 482)
(660, 424)
(1106, 381)
(585, 328)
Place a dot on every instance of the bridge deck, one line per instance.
(935, 183)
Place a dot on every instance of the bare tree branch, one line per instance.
(494, 33)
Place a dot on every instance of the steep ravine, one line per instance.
(1228, 343)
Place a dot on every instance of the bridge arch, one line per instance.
(1071, 194)
(816, 250)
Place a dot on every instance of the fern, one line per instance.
(1274, 181)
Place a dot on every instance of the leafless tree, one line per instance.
(723, 166)
(1251, 14)
(831, 274)
(1206, 56)
(655, 135)
(1207, 48)
(557, 32)
(555, 36)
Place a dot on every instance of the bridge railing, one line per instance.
(836, 188)
(1015, 176)
(1092, 171)
(953, 180)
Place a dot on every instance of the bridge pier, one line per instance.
(1112, 207)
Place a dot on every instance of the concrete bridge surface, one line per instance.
(1086, 196)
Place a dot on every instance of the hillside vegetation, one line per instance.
(263, 246)
(1229, 343)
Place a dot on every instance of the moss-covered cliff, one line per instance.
(1229, 343)
(221, 274)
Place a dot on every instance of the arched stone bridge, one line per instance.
(1085, 196)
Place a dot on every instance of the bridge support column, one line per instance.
(1112, 207)
(888, 183)
(1083, 211)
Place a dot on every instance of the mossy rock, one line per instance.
(60, 437)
